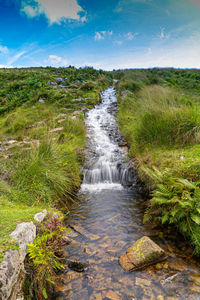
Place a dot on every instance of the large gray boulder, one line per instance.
(10, 270)
(142, 253)
(24, 234)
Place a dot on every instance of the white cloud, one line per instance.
(15, 58)
(32, 11)
(130, 36)
(57, 61)
(3, 49)
(5, 66)
(162, 33)
(55, 11)
(101, 35)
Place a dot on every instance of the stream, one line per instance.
(107, 220)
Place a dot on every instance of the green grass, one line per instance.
(162, 126)
(11, 215)
(40, 167)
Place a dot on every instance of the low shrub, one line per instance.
(46, 255)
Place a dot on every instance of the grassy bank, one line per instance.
(159, 114)
(42, 139)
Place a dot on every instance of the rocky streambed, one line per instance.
(107, 220)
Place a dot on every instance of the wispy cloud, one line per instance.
(124, 3)
(130, 36)
(3, 49)
(162, 33)
(56, 11)
(15, 58)
(101, 35)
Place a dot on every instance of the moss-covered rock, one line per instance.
(142, 253)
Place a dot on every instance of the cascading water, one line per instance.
(108, 219)
(107, 169)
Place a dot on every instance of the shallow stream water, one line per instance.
(107, 220)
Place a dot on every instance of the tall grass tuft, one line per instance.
(159, 116)
(45, 174)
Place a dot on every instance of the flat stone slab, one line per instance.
(143, 252)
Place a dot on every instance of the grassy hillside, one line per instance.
(160, 117)
(42, 139)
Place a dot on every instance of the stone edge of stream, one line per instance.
(12, 270)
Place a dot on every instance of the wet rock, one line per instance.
(142, 282)
(111, 295)
(96, 297)
(84, 232)
(177, 265)
(125, 263)
(195, 289)
(195, 278)
(67, 239)
(71, 233)
(77, 266)
(71, 275)
(142, 253)
(123, 144)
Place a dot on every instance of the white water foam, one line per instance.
(105, 171)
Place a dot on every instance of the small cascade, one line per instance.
(107, 169)
(108, 219)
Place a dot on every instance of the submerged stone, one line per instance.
(142, 253)
(77, 266)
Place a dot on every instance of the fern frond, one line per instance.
(187, 183)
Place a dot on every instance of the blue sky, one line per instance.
(104, 34)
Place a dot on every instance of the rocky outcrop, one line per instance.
(142, 253)
(40, 216)
(24, 234)
(12, 268)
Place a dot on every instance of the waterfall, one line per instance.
(105, 167)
